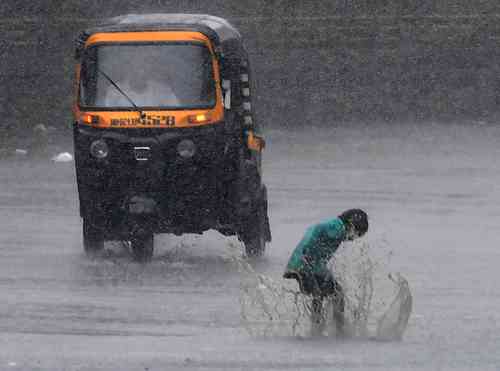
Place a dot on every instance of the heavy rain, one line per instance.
(146, 162)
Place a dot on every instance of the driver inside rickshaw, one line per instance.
(142, 88)
(168, 76)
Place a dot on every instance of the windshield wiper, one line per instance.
(110, 80)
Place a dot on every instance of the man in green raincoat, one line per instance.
(308, 263)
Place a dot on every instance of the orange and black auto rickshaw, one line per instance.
(165, 135)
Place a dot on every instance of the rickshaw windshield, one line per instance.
(159, 75)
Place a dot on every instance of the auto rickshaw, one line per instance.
(165, 134)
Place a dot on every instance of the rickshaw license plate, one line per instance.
(141, 205)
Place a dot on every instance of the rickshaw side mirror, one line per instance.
(255, 142)
(226, 87)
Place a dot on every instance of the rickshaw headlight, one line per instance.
(99, 149)
(186, 148)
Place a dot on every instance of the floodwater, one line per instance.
(433, 196)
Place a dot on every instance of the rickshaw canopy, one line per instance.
(225, 38)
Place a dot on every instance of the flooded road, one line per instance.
(433, 196)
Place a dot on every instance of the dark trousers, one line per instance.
(321, 287)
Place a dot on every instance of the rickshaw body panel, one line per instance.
(219, 188)
(188, 195)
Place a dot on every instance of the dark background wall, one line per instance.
(317, 62)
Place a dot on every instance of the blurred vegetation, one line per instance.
(317, 62)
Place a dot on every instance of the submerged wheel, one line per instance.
(142, 247)
(256, 230)
(255, 244)
(93, 238)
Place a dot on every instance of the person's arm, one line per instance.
(316, 248)
(329, 235)
(334, 229)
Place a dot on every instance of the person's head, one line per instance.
(356, 223)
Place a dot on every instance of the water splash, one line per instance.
(378, 304)
(392, 324)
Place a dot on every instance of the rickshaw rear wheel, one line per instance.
(93, 238)
(142, 247)
(255, 246)
(255, 234)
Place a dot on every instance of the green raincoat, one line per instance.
(317, 247)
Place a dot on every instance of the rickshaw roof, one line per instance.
(218, 30)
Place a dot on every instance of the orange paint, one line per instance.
(124, 37)
(152, 119)
(255, 142)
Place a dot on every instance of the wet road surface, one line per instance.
(433, 195)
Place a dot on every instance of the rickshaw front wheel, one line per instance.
(142, 246)
(93, 238)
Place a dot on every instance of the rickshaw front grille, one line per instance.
(189, 189)
(166, 172)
